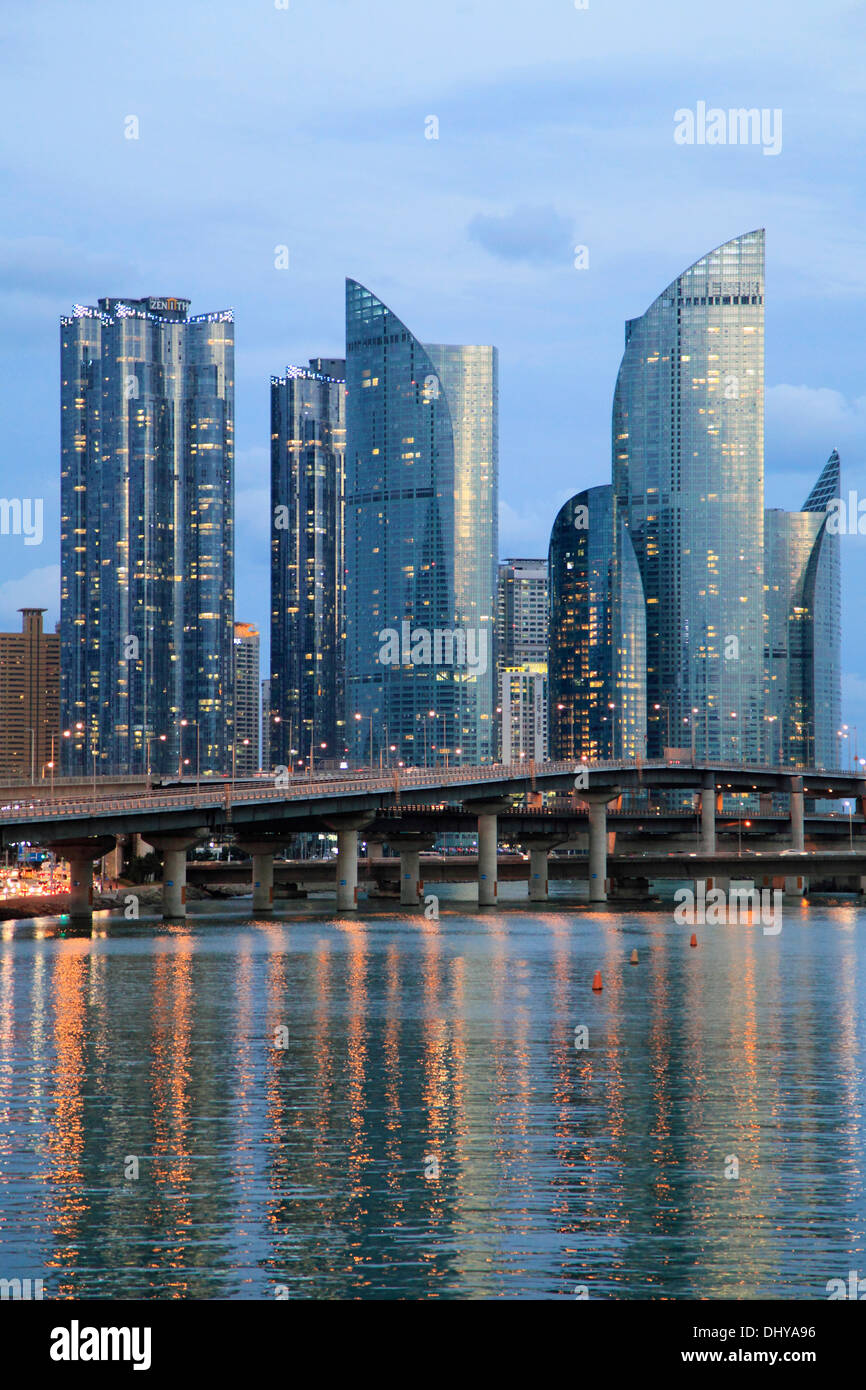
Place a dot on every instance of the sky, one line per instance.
(262, 124)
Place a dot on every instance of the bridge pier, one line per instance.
(173, 849)
(708, 814)
(80, 886)
(598, 802)
(80, 855)
(261, 851)
(347, 870)
(346, 828)
(798, 838)
(488, 837)
(539, 847)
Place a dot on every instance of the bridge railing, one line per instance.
(227, 793)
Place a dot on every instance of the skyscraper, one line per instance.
(597, 643)
(421, 542)
(688, 479)
(521, 659)
(29, 698)
(308, 441)
(803, 629)
(147, 550)
(247, 691)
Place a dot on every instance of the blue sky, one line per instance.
(305, 127)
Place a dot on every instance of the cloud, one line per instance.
(37, 589)
(540, 235)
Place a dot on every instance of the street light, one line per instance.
(358, 718)
(148, 739)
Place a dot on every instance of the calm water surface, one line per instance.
(413, 1046)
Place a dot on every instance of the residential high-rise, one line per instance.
(803, 629)
(147, 526)
(597, 643)
(247, 683)
(688, 480)
(421, 542)
(308, 441)
(521, 659)
(29, 699)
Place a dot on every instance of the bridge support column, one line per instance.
(80, 887)
(795, 886)
(263, 881)
(80, 856)
(798, 840)
(539, 847)
(173, 849)
(708, 814)
(411, 887)
(488, 886)
(346, 829)
(538, 885)
(347, 870)
(598, 803)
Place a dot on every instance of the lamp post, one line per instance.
(358, 718)
(847, 805)
(148, 739)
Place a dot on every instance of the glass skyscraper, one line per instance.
(421, 542)
(597, 661)
(308, 442)
(147, 535)
(803, 630)
(688, 480)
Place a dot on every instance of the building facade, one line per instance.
(803, 623)
(29, 699)
(522, 612)
(247, 691)
(421, 542)
(597, 639)
(147, 535)
(688, 480)
(308, 444)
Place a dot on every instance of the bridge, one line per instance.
(408, 808)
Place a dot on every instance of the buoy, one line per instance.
(596, 981)
(694, 940)
(633, 960)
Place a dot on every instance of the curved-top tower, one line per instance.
(420, 542)
(688, 479)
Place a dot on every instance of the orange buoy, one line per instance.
(633, 960)
(694, 940)
(596, 981)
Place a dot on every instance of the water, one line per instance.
(415, 1043)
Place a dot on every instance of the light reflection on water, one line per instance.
(415, 1045)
